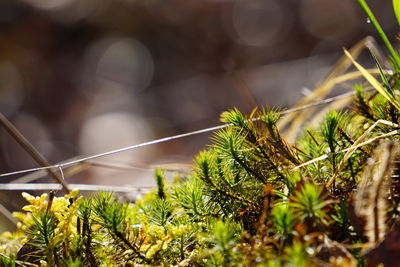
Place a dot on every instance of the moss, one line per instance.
(251, 200)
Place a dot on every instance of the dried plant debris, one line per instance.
(332, 253)
(387, 252)
(371, 199)
(330, 196)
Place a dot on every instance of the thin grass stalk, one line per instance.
(381, 33)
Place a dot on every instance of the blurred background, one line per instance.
(83, 77)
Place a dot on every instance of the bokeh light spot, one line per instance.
(49, 4)
(257, 22)
(128, 62)
(115, 130)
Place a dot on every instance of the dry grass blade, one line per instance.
(294, 125)
(115, 151)
(296, 120)
(68, 172)
(354, 147)
(371, 197)
(80, 187)
(123, 166)
(71, 170)
(374, 82)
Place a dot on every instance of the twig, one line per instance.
(31, 150)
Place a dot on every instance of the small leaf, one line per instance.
(396, 9)
(382, 75)
(394, 55)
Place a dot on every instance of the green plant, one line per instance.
(310, 204)
(331, 198)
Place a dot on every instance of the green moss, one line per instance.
(251, 200)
